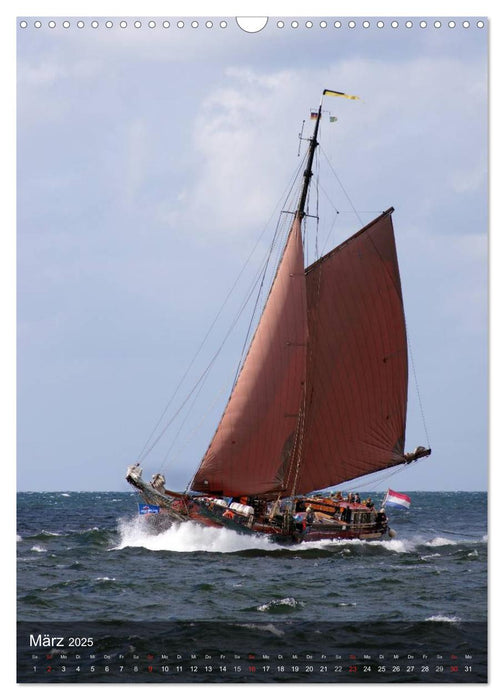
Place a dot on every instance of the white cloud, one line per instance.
(449, 274)
(241, 155)
(470, 178)
(409, 125)
(136, 157)
(44, 73)
(54, 67)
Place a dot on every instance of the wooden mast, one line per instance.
(300, 213)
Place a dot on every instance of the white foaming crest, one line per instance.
(283, 602)
(439, 542)
(395, 545)
(443, 618)
(405, 546)
(189, 537)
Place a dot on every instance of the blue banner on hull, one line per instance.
(145, 509)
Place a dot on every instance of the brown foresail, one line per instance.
(357, 361)
(252, 449)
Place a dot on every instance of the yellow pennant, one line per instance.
(340, 94)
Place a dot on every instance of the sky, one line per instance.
(152, 162)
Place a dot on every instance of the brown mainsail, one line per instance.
(357, 368)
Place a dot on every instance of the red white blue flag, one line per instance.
(398, 500)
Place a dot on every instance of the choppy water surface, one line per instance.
(80, 553)
(89, 556)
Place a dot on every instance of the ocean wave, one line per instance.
(37, 601)
(443, 618)
(188, 537)
(283, 605)
(192, 537)
(396, 545)
(346, 605)
(263, 628)
(440, 542)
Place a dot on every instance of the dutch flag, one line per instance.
(398, 500)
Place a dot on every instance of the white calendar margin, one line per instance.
(226, 8)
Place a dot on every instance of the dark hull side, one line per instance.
(316, 532)
(283, 529)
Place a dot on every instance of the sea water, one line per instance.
(88, 558)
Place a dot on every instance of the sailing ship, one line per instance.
(320, 399)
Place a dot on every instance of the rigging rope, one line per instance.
(205, 375)
(376, 481)
(202, 376)
(262, 278)
(317, 185)
(341, 185)
(193, 432)
(150, 443)
(417, 388)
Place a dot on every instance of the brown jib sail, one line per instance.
(253, 446)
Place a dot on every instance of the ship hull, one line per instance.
(283, 528)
